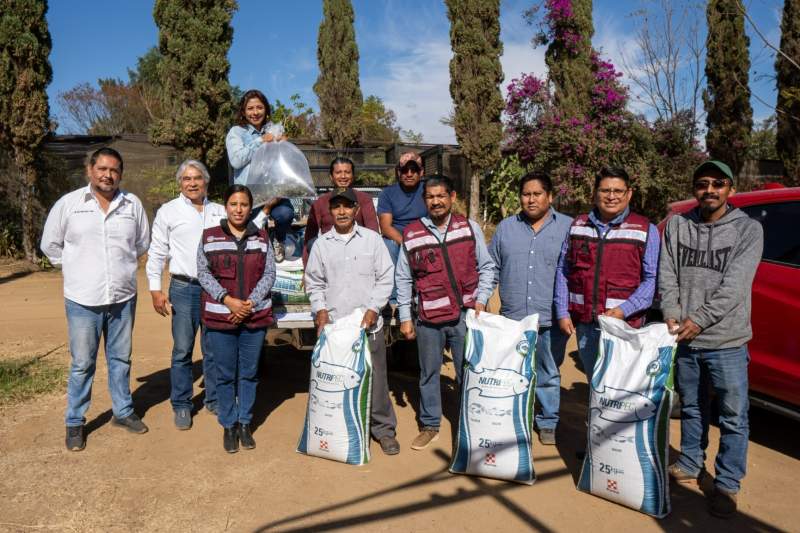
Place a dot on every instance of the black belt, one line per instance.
(186, 279)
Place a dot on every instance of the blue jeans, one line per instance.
(185, 300)
(85, 325)
(550, 347)
(726, 371)
(431, 341)
(236, 356)
(588, 346)
(282, 214)
(394, 252)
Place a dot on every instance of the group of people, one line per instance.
(415, 254)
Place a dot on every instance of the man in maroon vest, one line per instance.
(445, 258)
(608, 265)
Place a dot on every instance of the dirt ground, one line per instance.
(168, 480)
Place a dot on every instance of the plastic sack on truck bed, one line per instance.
(279, 169)
(631, 398)
(339, 392)
(289, 286)
(496, 418)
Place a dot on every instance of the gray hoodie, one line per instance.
(706, 274)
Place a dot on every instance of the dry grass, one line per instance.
(26, 377)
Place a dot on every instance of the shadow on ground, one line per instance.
(481, 488)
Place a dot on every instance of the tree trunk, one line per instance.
(27, 197)
(475, 194)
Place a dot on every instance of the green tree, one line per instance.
(194, 38)
(337, 87)
(378, 124)
(412, 137)
(568, 33)
(729, 118)
(788, 79)
(763, 140)
(298, 119)
(25, 73)
(475, 73)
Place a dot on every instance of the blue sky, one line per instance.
(404, 49)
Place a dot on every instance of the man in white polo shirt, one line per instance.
(96, 234)
(176, 235)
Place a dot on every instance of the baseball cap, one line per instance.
(713, 164)
(344, 192)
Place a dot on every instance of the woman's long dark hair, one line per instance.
(253, 93)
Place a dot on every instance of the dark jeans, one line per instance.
(185, 300)
(726, 371)
(384, 421)
(431, 341)
(282, 214)
(550, 347)
(236, 356)
(588, 335)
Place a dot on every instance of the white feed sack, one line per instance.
(496, 418)
(338, 413)
(631, 398)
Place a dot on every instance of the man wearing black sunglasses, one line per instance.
(708, 260)
(401, 203)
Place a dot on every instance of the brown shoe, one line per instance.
(722, 504)
(547, 436)
(426, 436)
(680, 475)
(389, 445)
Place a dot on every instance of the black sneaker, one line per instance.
(131, 423)
(246, 437)
(722, 503)
(76, 439)
(230, 439)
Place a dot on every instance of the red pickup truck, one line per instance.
(775, 348)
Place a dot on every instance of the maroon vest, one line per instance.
(237, 266)
(446, 273)
(604, 272)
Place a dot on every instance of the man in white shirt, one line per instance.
(176, 235)
(348, 268)
(96, 234)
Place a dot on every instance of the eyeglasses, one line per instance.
(702, 185)
(612, 192)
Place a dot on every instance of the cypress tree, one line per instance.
(475, 73)
(24, 110)
(337, 87)
(727, 96)
(788, 136)
(569, 54)
(194, 38)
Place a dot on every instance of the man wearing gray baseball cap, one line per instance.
(709, 257)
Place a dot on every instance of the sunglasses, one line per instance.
(718, 183)
(412, 166)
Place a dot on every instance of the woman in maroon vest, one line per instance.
(236, 268)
